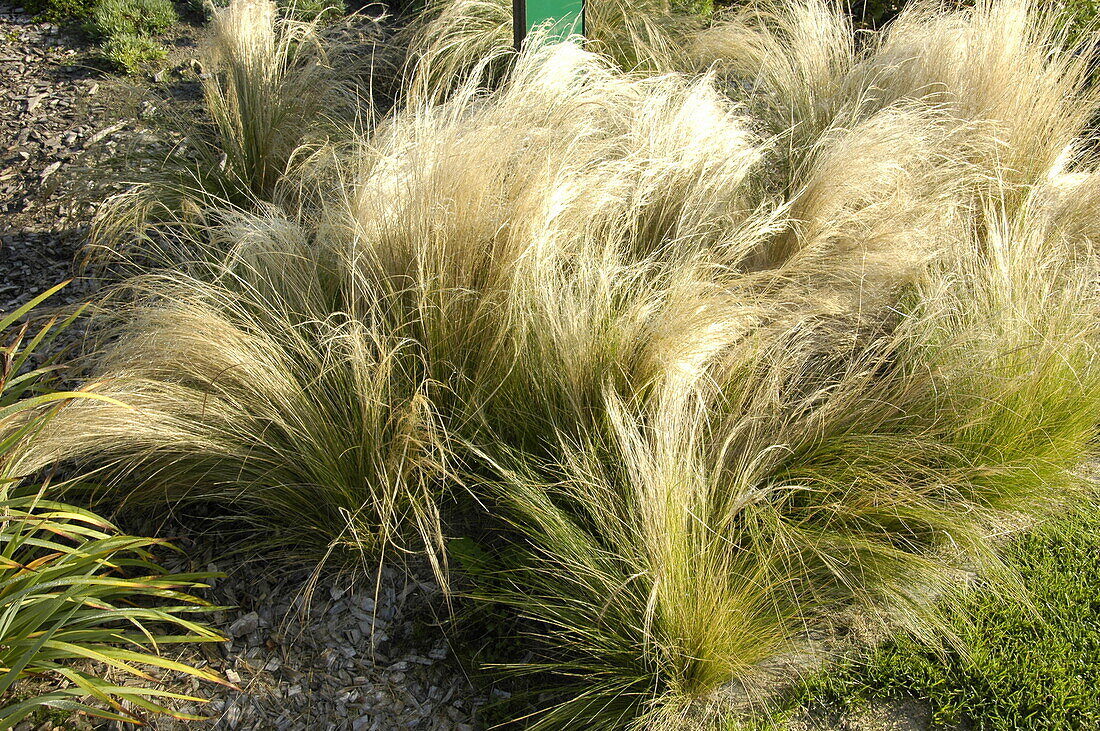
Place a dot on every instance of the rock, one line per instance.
(244, 625)
(104, 133)
(51, 169)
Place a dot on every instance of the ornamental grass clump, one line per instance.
(700, 363)
(272, 85)
(313, 431)
(1004, 76)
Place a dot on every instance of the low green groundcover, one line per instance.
(1026, 667)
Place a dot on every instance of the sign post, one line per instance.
(564, 18)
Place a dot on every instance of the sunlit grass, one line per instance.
(712, 356)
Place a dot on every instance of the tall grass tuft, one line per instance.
(711, 360)
(312, 430)
(1007, 76)
(272, 84)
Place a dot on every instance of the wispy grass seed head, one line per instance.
(730, 352)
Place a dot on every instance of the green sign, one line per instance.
(564, 18)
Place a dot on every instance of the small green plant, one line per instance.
(72, 586)
(117, 18)
(126, 27)
(132, 53)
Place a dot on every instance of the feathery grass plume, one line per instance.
(454, 39)
(723, 372)
(1066, 204)
(404, 291)
(642, 36)
(852, 429)
(870, 205)
(1005, 70)
(809, 472)
(869, 475)
(1012, 332)
(272, 81)
(640, 604)
(273, 85)
(1008, 64)
(456, 208)
(790, 59)
(318, 432)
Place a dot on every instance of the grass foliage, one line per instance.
(710, 353)
(81, 603)
(1021, 666)
(273, 87)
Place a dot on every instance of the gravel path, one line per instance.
(53, 114)
(359, 659)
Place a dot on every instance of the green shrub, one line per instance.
(119, 18)
(1081, 17)
(72, 587)
(133, 53)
